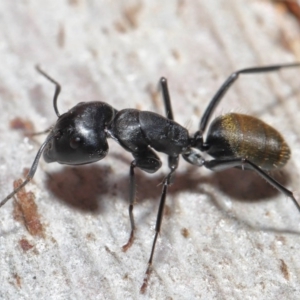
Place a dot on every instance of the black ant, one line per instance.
(233, 140)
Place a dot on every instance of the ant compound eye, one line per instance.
(75, 142)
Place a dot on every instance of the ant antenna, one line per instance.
(57, 88)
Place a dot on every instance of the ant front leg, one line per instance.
(31, 171)
(149, 162)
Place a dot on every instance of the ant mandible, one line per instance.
(233, 140)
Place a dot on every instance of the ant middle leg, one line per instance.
(173, 164)
(149, 162)
(167, 99)
(131, 203)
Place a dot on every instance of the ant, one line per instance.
(233, 140)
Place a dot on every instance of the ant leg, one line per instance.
(173, 164)
(219, 165)
(57, 88)
(31, 171)
(226, 85)
(41, 132)
(167, 100)
(131, 203)
(149, 162)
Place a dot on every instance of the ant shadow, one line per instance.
(88, 187)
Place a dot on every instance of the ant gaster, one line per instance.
(233, 140)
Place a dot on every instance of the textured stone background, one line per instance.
(225, 235)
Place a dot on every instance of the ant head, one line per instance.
(79, 135)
